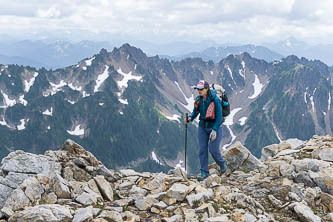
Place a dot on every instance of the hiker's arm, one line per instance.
(218, 114)
(195, 111)
(193, 115)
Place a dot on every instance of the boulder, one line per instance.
(239, 157)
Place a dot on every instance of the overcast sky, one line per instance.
(238, 21)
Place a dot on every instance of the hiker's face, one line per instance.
(203, 91)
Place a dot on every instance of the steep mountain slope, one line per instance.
(128, 107)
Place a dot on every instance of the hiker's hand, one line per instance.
(212, 135)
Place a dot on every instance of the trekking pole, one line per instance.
(186, 116)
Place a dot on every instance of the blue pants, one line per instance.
(205, 144)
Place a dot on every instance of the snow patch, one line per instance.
(76, 88)
(305, 100)
(123, 101)
(211, 72)
(101, 104)
(257, 88)
(329, 101)
(77, 131)
(48, 112)
(89, 61)
(8, 102)
(243, 64)
(189, 101)
(85, 94)
(123, 84)
(70, 101)
(84, 68)
(57, 87)
(22, 125)
(175, 117)
(30, 82)
(3, 122)
(227, 66)
(312, 104)
(153, 155)
(23, 101)
(229, 121)
(135, 66)
(242, 120)
(101, 78)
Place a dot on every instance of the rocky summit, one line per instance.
(293, 181)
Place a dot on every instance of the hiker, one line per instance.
(210, 131)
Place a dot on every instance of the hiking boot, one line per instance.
(203, 175)
(223, 168)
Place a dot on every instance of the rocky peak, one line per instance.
(292, 182)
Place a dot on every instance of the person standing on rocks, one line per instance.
(208, 105)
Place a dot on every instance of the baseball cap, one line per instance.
(202, 84)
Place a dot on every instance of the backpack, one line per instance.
(222, 95)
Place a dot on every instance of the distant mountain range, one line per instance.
(59, 54)
(48, 55)
(128, 107)
(292, 46)
(216, 54)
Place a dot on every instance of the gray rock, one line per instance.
(309, 164)
(125, 185)
(5, 192)
(222, 218)
(303, 177)
(145, 203)
(111, 215)
(274, 201)
(295, 143)
(31, 164)
(195, 198)
(160, 205)
(50, 198)
(212, 181)
(287, 169)
(8, 183)
(83, 214)
(61, 188)
(104, 187)
(123, 202)
(17, 201)
(305, 213)
(250, 218)
(137, 192)
(32, 189)
(239, 157)
(269, 151)
(129, 172)
(47, 212)
(18, 178)
(177, 191)
(326, 154)
(174, 218)
(86, 199)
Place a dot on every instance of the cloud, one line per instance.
(248, 21)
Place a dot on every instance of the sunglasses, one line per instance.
(200, 89)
